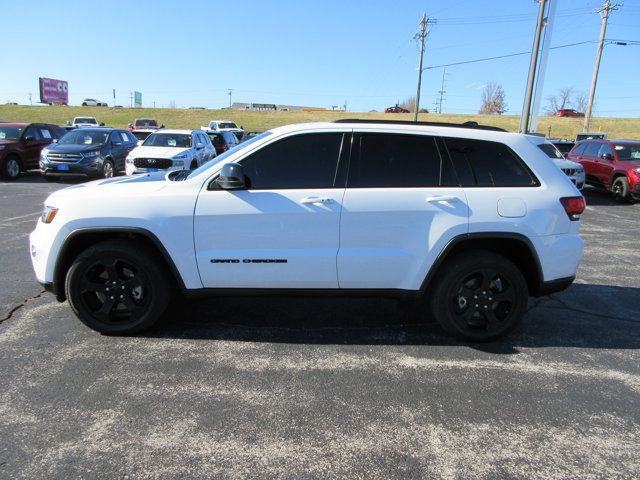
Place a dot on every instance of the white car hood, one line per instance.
(562, 163)
(133, 186)
(156, 152)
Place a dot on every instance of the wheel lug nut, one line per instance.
(121, 296)
(111, 298)
(107, 289)
(486, 306)
(114, 283)
(475, 296)
(490, 298)
(477, 305)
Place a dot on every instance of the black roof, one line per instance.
(470, 124)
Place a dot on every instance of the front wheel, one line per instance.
(479, 296)
(116, 288)
(10, 168)
(621, 190)
(107, 169)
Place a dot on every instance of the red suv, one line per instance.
(20, 145)
(611, 164)
(396, 109)
(568, 112)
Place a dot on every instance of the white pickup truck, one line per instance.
(224, 126)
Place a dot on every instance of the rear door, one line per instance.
(589, 159)
(281, 231)
(604, 168)
(401, 206)
(31, 144)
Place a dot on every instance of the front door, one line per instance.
(282, 231)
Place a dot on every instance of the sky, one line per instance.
(319, 53)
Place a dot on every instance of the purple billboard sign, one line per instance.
(54, 91)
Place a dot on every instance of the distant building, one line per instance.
(270, 107)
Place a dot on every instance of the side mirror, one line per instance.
(55, 140)
(199, 145)
(102, 124)
(231, 177)
(162, 126)
(130, 125)
(607, 156)
(29, 138)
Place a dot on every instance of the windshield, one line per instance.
(90, 120)
(10, 133)
(84, 137)
(227, 125)
(180, 140)
(627, 151)
(550, 150)
(141, 135)
(222, 157)
(146, 123)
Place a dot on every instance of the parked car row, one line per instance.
(610, 164)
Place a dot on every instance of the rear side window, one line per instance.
(395, 160)
(580, 149)
(605, 149)
(492, 164)
(592, 149)
(301, 161)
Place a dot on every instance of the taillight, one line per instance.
(574, 206)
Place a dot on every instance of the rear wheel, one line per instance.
(621, 190)
(11, 168)
(479, 296)
(116, 288)
(193, 165)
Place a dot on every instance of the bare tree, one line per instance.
(566, 98)
(580, 101)
(409, 104)
(493, 99)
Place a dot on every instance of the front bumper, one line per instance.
(60, 169)
(131, 169)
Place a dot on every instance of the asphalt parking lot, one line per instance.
(323, 388)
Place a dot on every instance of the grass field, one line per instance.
(259, 121)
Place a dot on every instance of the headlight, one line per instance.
(178, 163)
(181, 156)
(48, 214)
(92, 154)
(636, 170)
(129, 160)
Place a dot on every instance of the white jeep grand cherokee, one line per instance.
(471, 220)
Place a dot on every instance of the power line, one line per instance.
(504, 56)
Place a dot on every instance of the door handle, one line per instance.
(314, 200)
(441, 198)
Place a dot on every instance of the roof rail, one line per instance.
(469, 124)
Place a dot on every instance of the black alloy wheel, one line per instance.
(115, 287)
(480, 296)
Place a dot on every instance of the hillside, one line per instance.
(259, 120)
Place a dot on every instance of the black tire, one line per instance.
(492, 281)
(193, 165)
(108, 170)
(84, 104)
(117, 288)
(10, 168)
(621, 190)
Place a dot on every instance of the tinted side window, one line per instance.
(301, 161)
(32, 131)
(604, 149)
(580, 149)
(395, 160)
(492, 163)
(592, 149)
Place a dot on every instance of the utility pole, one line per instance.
(229, 92)
(606, 9)
(441, 91)
(131, 99)
(421, 36)
(526, 108)
(30, 99)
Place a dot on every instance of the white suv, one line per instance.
(468, 219)
(170, 150)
